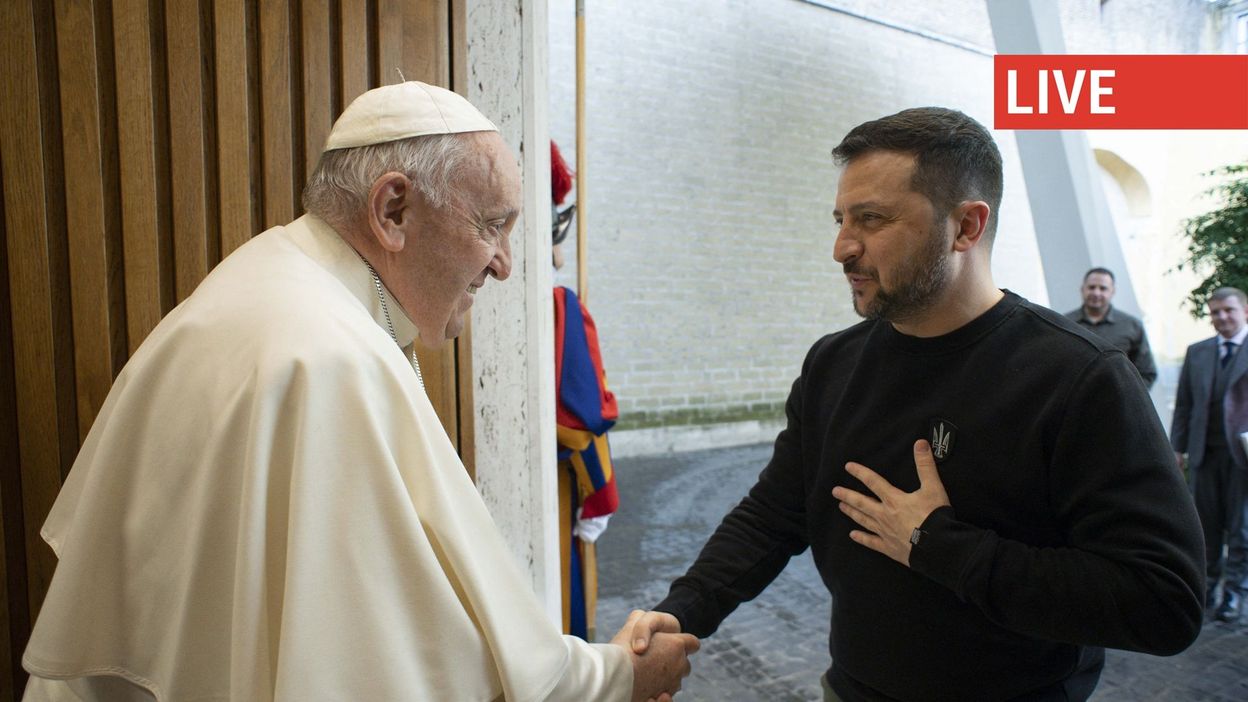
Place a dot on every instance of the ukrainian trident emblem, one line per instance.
(942, 435)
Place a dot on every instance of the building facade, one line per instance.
(711, 187)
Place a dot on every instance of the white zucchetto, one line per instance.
(404, 110)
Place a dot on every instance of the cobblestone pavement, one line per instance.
(774, 648)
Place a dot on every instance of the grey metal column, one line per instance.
(1074, 228)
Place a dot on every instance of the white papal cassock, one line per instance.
(268, 509)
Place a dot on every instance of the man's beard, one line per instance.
(920, 280)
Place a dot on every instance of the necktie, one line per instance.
(1230, 351)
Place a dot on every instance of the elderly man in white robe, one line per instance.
(267, 508)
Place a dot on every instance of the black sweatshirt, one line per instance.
(1070, 528)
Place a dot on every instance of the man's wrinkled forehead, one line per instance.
(490, 178)
(874, 179)
(504, 171)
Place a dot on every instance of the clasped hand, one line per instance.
(660, 654)
(891, 516)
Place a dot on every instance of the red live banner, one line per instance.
(1120, 92)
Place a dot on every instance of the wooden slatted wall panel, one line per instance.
(188, 136)
(319, 110)
(13, 567)
(42, 400)
(277, 116)
(141, 210)
(141, 141)
(13, 615)
(92, 218)
(356, 45)
(237, 93)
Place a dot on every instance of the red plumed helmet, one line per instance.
(560, 176)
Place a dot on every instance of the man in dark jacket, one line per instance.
(1098, 316)
(987, 491)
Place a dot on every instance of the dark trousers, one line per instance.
(1218, 488)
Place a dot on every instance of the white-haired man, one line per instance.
(267, 507)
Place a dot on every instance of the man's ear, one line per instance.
(391, 203)
(971, 219)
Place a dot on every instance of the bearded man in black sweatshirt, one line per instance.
(986, 488)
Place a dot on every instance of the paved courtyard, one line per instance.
(774, 648)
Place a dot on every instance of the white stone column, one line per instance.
(513, 322)
(1074, 228)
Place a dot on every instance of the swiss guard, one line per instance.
(586, 410)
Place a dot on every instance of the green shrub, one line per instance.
(1218, 239)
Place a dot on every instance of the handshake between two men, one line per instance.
(659, 653)
(308, 507)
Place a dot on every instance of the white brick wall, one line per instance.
(711, 187)
(1136, 26)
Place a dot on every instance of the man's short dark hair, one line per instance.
(955, 157)
(1223, 293)
(1103, 271)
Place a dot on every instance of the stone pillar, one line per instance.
(1074, 228)
(513, 322)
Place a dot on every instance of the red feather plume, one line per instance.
(560, 176)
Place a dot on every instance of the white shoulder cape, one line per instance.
(267, 508)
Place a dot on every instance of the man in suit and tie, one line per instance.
(1210, 411)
